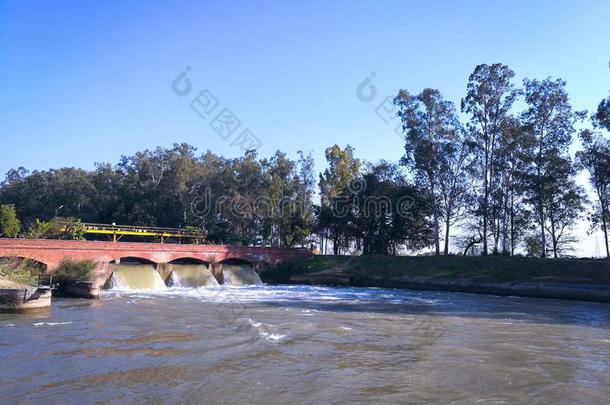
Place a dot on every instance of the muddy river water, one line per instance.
(292, 344)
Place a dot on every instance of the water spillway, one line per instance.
(239, 274)
(191, 275)
(136, 277)
(146, 277)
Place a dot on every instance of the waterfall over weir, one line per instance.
(191, 275)
(136, 277)
(239, 274)
(146, 277)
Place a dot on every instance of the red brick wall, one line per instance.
(52, 252)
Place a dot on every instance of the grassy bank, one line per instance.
(395, 271)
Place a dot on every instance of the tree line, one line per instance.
(487, 179)
(507, 175)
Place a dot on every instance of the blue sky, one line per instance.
(88, 81)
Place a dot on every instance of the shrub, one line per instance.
(70, 270)
(21, 271)
(57, 228)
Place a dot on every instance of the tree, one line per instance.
(549, 121)
(436, 152)
(489, 98)
(40, 194)
(532, 246)
(390, 213)
(9, 223)
(511, 223)
(563, 203)
(595, 159)
(303, 221)
(335, 182)
(602, 117)
(286, 199)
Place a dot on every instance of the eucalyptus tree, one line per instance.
(489, 98)
(602, 116)
(595, 160)
(141, 188)
(245, 186)
(563, 203)
(48, 193)
(549, 120)
(335, 191)
(303, 219)
(511, 223)
(437, 153)
(283, 205)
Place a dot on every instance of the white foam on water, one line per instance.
(272, 336)
(263, 331)
(37, 324)
(254, 323)
(279, 294)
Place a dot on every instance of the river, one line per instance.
(294, 344)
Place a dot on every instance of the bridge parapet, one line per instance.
(51, 252)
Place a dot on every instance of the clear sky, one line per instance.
(88, 81)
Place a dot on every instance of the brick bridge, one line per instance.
(51, 252)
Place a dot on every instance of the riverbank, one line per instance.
(17, 296)
(576, 279)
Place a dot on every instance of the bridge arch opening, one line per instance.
(188, 260)
(15, 263)
(235, 260)
(190, 272)
(134, 273)
(238, 272)
(132, 260)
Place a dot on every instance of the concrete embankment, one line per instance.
(17, 299)
(576, 279)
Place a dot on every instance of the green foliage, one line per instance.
(490, 96)
(602, 116)
(533, 247)
(38, 229)
(57, 228)
(335, 182)
(9, 223)
(343, 168)
(389, 213)
(21, 271)
(69, 270)
(75, 230)
(595, 160)
(437, 153)
(173, 187)
(492, 176)
(549, 182)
